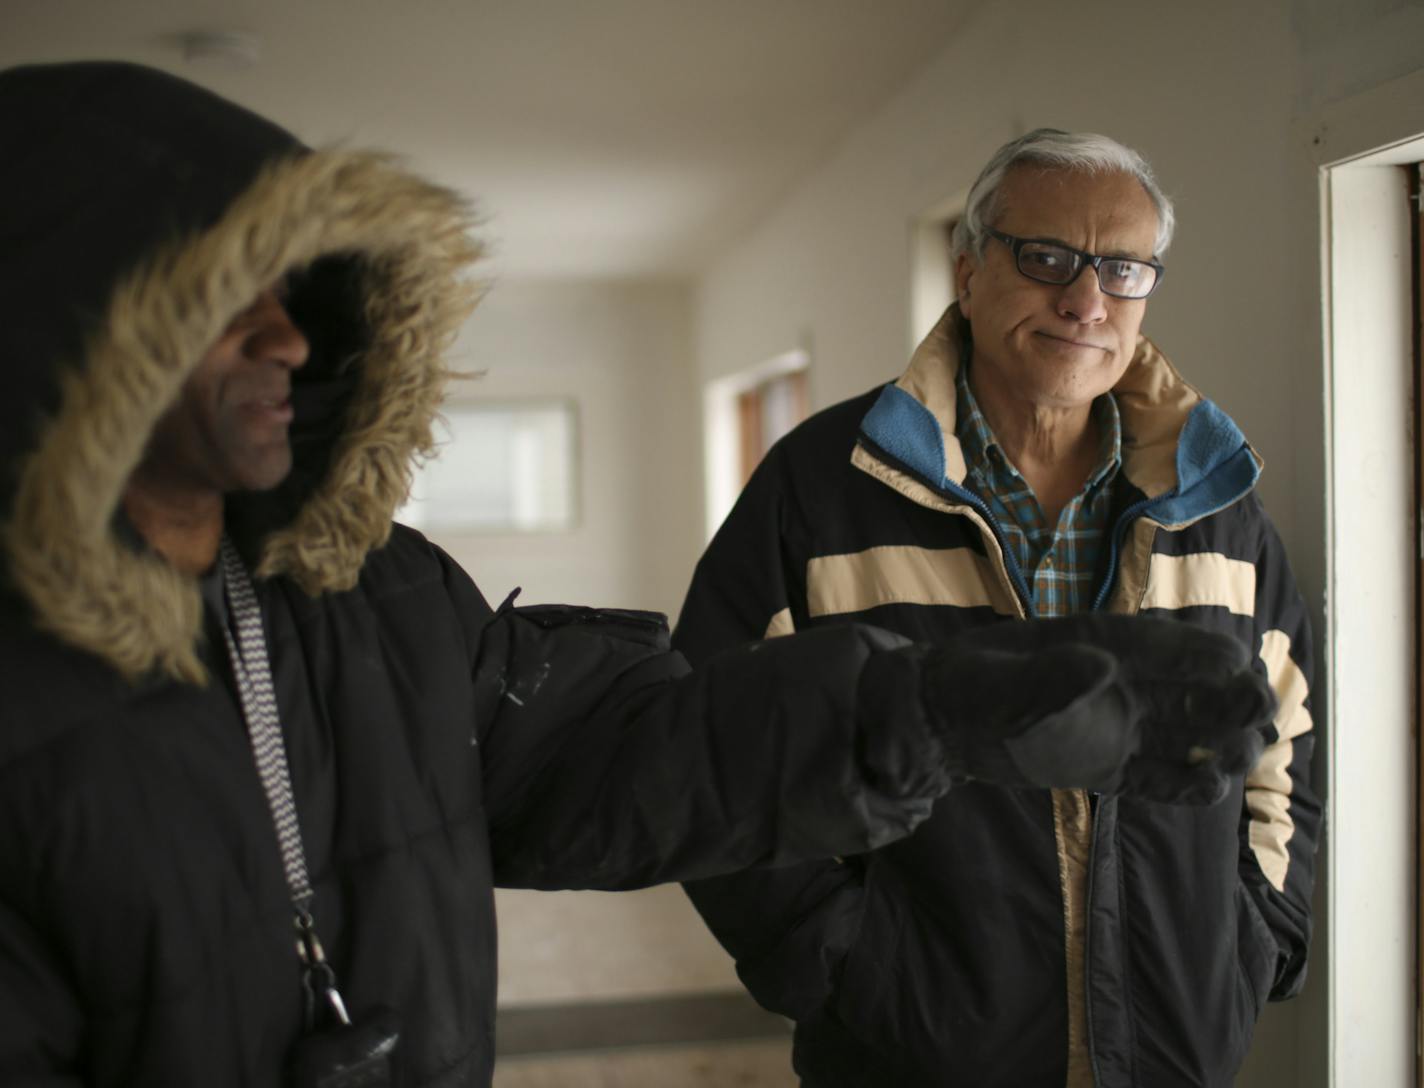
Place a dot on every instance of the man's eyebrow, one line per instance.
(1051, 240)
(1110, 253)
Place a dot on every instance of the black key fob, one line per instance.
(358, 1055)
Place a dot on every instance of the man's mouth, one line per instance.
(1071, 341)
(274, 409)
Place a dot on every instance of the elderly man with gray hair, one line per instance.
(1039, 457)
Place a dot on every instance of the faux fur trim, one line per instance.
(136, 611)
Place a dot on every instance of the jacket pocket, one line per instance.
(865, 994)
(1255, 951)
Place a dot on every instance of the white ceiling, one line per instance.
(601, 138)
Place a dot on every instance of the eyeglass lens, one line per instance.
(1048, 263)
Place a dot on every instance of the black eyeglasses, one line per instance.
(1051, 262)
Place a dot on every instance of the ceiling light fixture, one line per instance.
(232, 48)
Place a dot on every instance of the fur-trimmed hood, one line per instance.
(141, 213)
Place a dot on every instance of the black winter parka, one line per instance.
(1022, 937)
(437, 747)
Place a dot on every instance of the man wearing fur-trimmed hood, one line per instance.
(237, 699)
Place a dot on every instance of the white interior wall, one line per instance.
(1226, 100)
(832, 262)
(622, 352)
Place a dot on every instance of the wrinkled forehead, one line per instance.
(1105, 211)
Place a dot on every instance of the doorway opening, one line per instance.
(743, 416)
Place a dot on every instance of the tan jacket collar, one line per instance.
(1152, 397)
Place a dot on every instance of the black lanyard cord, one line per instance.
(253, 673)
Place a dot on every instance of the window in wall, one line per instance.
(743, 415)
(503, 467)
(767, 411)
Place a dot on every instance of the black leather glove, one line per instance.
(1148, 708)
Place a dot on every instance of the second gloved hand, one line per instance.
(1143, 707)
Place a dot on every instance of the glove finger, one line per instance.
(1253, 699)
(1147, 646)
(1168, 651)
(1093, 742)
(1004, 692)
(1148, 779)
(1235, 753)
(1083, 744)
(1229, 720)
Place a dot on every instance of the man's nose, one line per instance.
(275, 335)
(1083, 299)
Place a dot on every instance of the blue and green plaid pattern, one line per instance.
(1058, 562)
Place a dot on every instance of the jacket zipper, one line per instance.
(1088, 947)
(974, 502)
(1011, 564)
(1115, 538)
(1015, 573)
(1021, 587)
(1114, 544)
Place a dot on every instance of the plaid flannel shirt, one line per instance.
(1058, 562)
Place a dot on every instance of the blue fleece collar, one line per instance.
(907, 430)
(1215, 467)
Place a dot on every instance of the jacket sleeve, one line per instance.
(608, 764)
(1281, 823)
(788, 929)
(39, 1016)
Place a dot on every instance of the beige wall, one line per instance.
(1205, 91)
(623, 352)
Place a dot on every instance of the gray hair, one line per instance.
(1054, 148)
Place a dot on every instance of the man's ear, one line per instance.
(964, 269)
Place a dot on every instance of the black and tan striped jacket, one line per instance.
(1022, 937)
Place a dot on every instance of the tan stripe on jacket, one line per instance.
(901, 574)
(1202, 578)
(1268, 786)
(781, 624)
